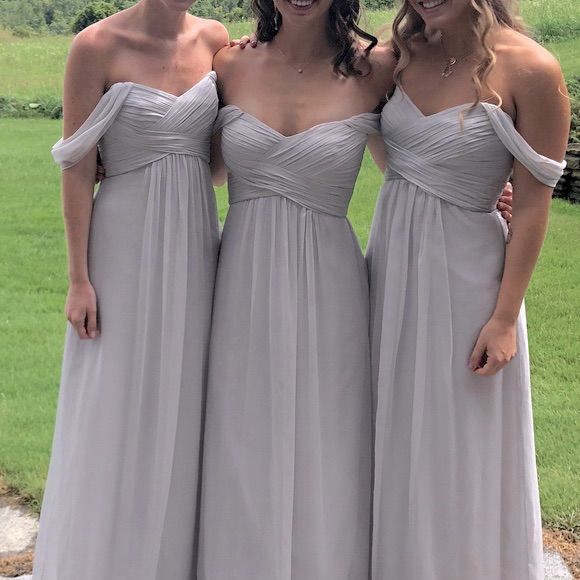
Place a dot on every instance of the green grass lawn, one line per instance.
(32, 68)
(33, 285)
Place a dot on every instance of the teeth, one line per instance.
(433, 4)
(302, 3)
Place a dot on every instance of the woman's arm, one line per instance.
(543, 119)
(85, 80)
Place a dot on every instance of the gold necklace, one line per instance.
(299, 70)
(452, 61)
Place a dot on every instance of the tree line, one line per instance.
(24, 17)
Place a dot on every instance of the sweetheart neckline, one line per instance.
(210, 75)
(446, 110)
(300, 133)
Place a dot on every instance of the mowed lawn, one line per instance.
(32, 68)
(33, 286)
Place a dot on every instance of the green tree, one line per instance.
(92, 13)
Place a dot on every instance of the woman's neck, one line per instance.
(302, 43)
(457, 43)
(160, 21)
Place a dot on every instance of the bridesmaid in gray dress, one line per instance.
(456, 492)
(286, 491)
(122, 492)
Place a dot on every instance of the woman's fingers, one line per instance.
(478, 357)
(492, 366)
(242, 41)
(81, 310)
(78, 321)
(504, 205)
(252, 40)
(92, 326)
(85, 322)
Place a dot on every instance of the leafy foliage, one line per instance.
(92, 13)
(225, 10)
(59, 16)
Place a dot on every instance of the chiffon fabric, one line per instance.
(286, 491)
(456, 493)
(121, 502)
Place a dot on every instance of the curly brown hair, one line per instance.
(408, 26)
(342, 28)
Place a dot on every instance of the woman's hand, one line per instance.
(81, 309)
(252, 40)
(504, 205)
(495, 347)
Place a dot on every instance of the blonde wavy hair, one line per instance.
(408, 26)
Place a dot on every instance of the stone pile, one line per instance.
(569, 186)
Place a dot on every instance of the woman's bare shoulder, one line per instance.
(213, 32)
(232, 60)
(526, 60)
(105, 37)
(383, 63)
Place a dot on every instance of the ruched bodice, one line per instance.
(464, 165)
(316, 168)
(139, 125)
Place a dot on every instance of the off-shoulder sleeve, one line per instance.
(544, 169)
(68, 152)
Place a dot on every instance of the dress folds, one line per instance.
(121, 501)
(286, 489)
(456, 493)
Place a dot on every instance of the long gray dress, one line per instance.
(122, 493)
(286, 491)
(456, 494)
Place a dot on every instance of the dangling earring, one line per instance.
(276, 18)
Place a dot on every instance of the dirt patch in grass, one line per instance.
(567, 544)
(18, 565)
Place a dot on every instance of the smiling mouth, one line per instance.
(301, 4)
(430, 4)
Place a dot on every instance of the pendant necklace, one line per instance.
(452, 61)
(300, 69)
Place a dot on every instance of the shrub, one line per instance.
(226, 10)
(46, 106)
(23, 31)
(92, 13)
(379, 4)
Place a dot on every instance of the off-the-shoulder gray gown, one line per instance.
(286, 489)
(122, 494)
(456, 494)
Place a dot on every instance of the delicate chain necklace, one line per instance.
(299, 70)
(452, 61)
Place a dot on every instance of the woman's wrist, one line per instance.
(505, 317)
(79, 280)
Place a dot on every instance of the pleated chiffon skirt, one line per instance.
(287, 462)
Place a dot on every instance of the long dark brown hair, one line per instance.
(342, 28)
